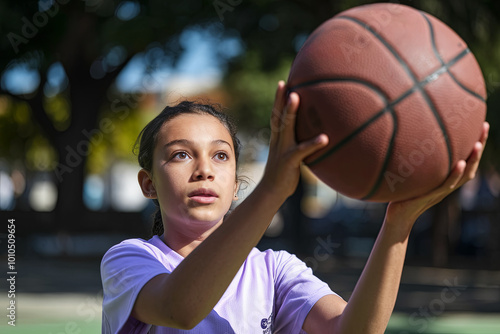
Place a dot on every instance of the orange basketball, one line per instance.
(399, 94)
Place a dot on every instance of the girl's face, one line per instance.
(194, 171)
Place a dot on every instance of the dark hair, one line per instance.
(148, 138)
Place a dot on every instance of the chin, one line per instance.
(205, 220)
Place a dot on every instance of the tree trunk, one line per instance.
(75, 143)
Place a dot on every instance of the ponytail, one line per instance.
(157, 221)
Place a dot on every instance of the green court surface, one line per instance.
(453, 323)
(81, 314)
(54, 314)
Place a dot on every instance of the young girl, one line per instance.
(201, 272)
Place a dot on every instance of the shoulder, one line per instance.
(126, 248)
(270, 255)
(125, 269)
(133, 253)
(277, 264)
(132, 263)
(268, 258)
(137, 246)
(132, 245)
(287, 263)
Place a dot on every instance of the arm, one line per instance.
(373, 298)
(186, 296)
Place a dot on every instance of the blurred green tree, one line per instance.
(91, 41)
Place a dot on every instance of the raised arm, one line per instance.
(186, 296)
(372, 301)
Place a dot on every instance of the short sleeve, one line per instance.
(125, 269)
(297, 290)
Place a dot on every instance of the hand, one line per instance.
(281, 174)
(410, 210)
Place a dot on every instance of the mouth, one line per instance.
(203, 196)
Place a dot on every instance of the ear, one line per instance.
(146, 183)
(236, 188)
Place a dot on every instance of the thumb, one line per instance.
(306, 148)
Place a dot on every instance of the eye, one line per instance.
(221, 156)
(180, 156)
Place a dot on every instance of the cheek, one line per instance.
(227, 176)
(167, 183)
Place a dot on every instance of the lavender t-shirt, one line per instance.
(272, 292)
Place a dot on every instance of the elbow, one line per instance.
(185, 323)
(183, 319)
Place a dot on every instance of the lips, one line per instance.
(203, 195)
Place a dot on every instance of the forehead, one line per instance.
(194, 127)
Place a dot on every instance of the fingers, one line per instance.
(283, 116)
(307, 148)
(465, 171)
(288, 118)
(473, 161)
(462, 172)
(484, 134)
(278, 109)
(283, 120)
(455, 176)
(279, 98)
(449, 185)
(475, 156)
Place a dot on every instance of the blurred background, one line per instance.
(81, 78)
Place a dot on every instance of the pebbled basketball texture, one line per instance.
(399, 94)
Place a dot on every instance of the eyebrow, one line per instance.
(189, 142)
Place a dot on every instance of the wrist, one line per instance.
(399, 225)
(269, 193)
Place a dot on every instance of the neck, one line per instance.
(184, 242)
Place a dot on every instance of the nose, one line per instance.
(203, 170)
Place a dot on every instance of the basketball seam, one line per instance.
(387, 156)
(389, 108)
(451, 63)
(362, 82)
(372, 119)
(444, 68)
(390, 105)
(412, 76)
